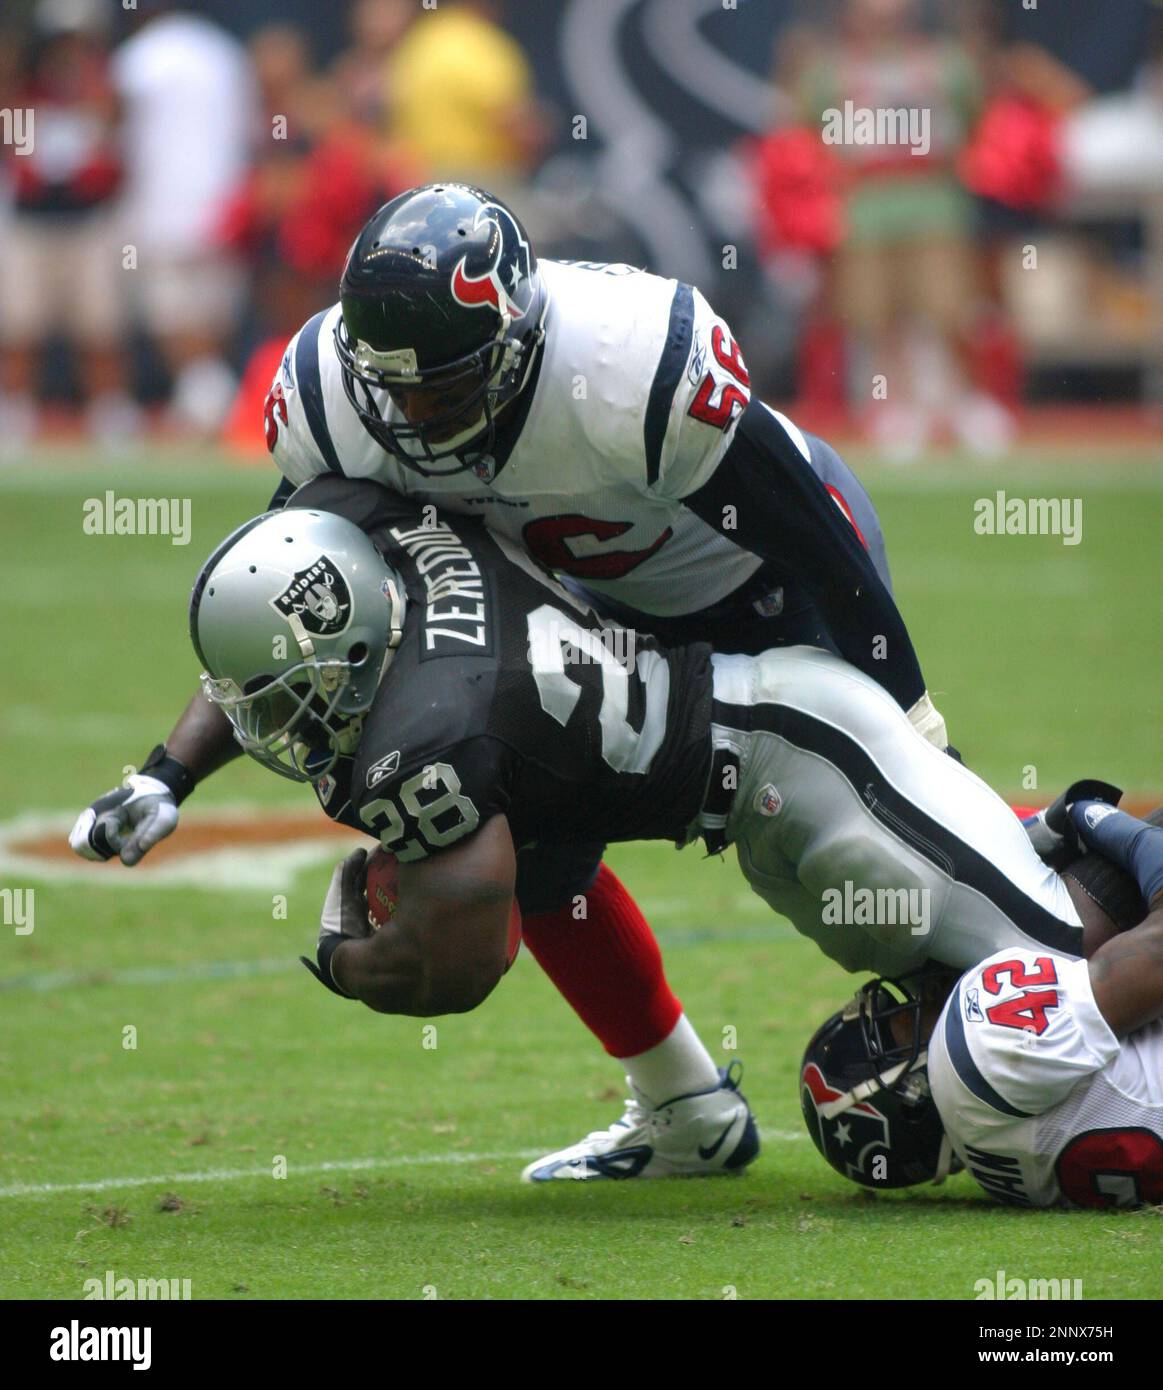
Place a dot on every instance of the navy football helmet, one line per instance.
(443, 308)
(866, 1098)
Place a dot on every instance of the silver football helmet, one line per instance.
(295, 618)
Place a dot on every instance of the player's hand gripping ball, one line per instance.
(383, 893)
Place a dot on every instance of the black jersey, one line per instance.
(506, 694)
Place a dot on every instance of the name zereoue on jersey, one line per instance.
(499, 700)
(635, 402)
(451, 578)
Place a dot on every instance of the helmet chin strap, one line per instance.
(301, 636)
(536, 338)
(396, 603)
(307, 648)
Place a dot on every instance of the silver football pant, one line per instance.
(881, 848)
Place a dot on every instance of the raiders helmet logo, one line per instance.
(320, 596)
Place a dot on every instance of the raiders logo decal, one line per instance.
(320, 596)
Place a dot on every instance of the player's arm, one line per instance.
(731, 461)
(129, 820)
(1126, 973)
(446, 945)
(765, 495)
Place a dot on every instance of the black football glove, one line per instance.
(1052, 832)
(344, 917)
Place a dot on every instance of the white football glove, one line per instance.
(128, 821)
(927, 721)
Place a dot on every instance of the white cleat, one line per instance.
(698, 1135)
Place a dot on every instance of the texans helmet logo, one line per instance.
(858, 1132)
(510, 265)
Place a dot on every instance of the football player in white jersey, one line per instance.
(1038, 1072)
(601, 418)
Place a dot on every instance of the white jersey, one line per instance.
(634, 403)
(1042, 1103)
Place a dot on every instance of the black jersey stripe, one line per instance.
(934, 841)
(667, 375)
(311, 389)
(966, 1068)
(281, 493)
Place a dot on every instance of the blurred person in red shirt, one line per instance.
(60, 262)
(321, 170)
(323, 167)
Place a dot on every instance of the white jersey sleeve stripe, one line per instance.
(793, 432)
(667, 375)
(311, 389)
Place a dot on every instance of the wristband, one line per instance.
(170, 772)
(322, 971)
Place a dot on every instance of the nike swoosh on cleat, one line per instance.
(709, 1153)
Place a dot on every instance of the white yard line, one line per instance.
(295, 1170)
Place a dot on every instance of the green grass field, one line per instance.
(402, 1160)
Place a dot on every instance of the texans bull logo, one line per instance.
(320, 596)
(857, 1133)
(510, 264)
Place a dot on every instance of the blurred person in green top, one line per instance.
(896, 104)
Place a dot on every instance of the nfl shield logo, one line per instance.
(770, 605)
(768, 801)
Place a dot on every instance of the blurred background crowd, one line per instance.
(193, 177)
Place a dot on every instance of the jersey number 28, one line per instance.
(408, 826)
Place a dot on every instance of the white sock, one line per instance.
(677, 1066)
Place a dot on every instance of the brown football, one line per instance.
(383, 893)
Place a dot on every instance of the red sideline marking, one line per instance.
(198, 835)
(1133, 805)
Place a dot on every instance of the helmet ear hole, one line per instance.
(357, 653)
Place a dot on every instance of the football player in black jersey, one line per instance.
(426, 689)
(445, 695)
(601, 418)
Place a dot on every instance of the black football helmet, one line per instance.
(866, 1099)
(441, 296)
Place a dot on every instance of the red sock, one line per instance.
(608, 966)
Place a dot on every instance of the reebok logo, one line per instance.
(383, 768)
